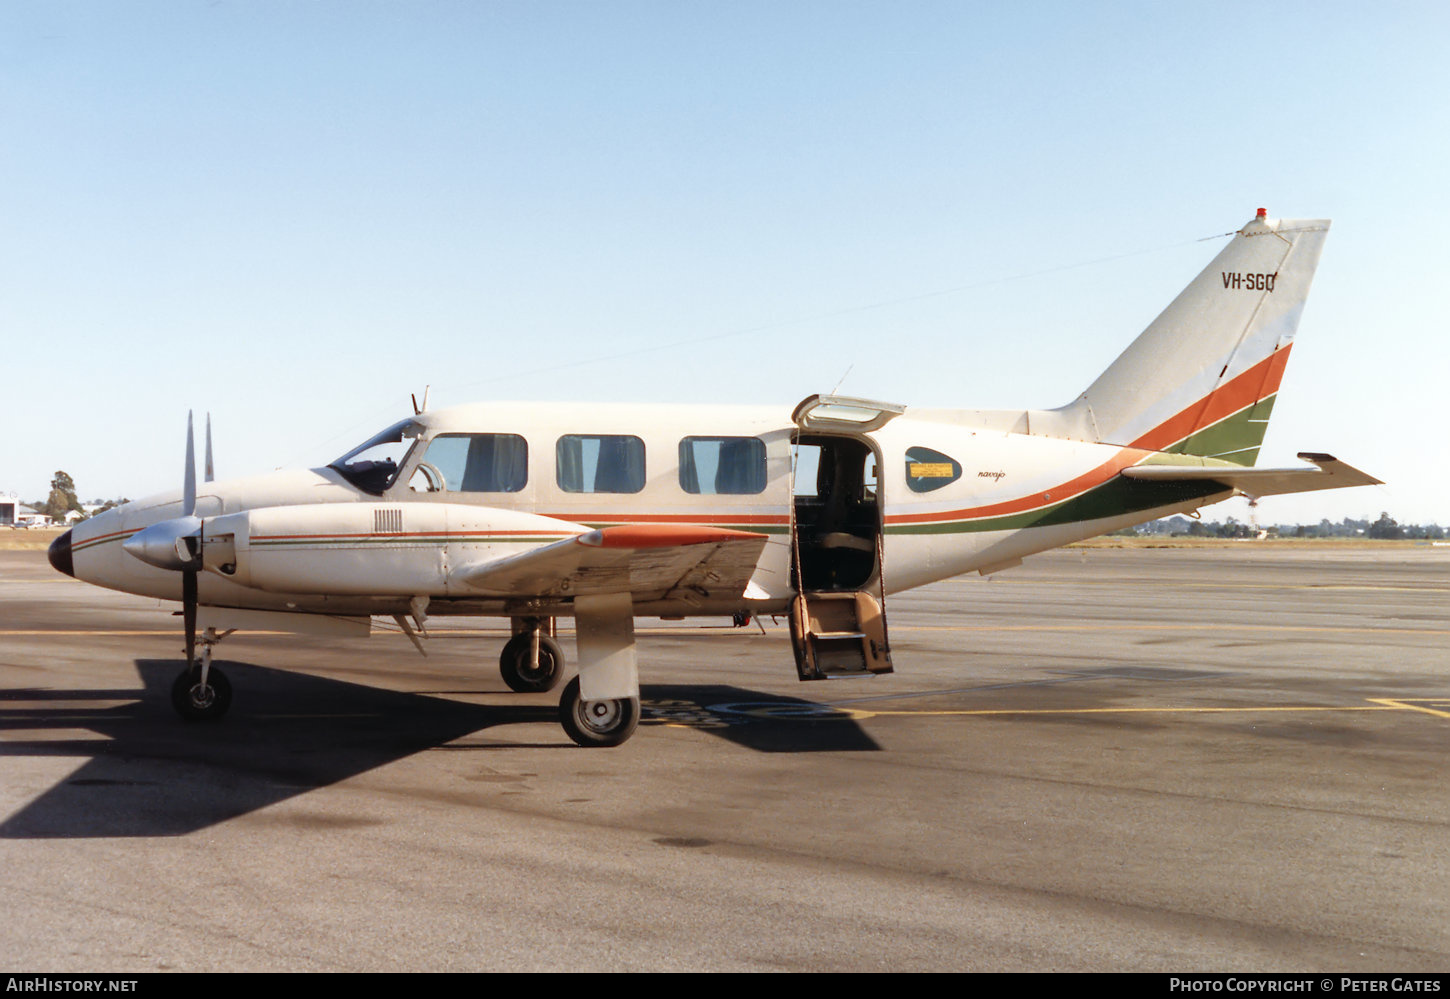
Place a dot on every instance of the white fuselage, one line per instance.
(953, 497)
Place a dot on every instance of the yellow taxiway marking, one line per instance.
(1224, 628)
(1418, 704)
(1184, 584)
(164, 632)
(99, 631)
(1134, 711)
(1157, 584)
(819, 711)
(53, 735)
(721, 631)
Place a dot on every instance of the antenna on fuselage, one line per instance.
(417, 409)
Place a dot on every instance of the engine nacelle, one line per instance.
(369, 549)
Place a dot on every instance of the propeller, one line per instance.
(210, 472)
(192, 542)
(176, 544)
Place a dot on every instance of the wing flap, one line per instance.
(1328, 473)
(647, 561)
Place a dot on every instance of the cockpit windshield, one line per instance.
(373, 465)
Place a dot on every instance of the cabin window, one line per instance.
(927, 469)
(473, 463)
(608, 463)
(373, 465)
(731, 466)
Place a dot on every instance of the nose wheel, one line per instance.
(197, 699)
(202, 692)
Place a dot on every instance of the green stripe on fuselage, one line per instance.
(414, 541)
(747, 528)
(1113, 498)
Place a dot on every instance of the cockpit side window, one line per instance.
(373, 465)
(473, 463)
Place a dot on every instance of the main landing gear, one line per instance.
(532, 662)
(597, 723)
(202, 692)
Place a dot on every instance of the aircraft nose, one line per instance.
(60, 555)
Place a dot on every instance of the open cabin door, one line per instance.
(838, 616)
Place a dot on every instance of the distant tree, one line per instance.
(1385, 527)
(1233, 529)
(62, 497)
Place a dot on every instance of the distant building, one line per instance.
(14, 513)
(1167, 526)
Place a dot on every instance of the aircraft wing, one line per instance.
(1330, 473)
(647, 561)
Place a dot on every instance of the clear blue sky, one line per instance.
(294, 214)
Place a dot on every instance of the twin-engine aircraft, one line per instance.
(534, 512)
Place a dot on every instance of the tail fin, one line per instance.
(1202, 378)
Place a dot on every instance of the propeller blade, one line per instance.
(188, 482)
(188, 613)
(210, 473)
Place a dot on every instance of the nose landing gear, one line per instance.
(202, 692)
(531, 662)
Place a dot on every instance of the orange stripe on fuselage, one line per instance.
(661, 536)
(410, 535)
(1125, 458)
(671, 518)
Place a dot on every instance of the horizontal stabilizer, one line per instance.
(1330, 473)
(647, 561)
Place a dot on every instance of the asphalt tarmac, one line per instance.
(1102, 760)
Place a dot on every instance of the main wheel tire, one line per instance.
(193, 702)
(516, 664)
(597, 723)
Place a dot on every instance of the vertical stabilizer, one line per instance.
(1202, 378)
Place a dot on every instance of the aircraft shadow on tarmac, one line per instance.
(149, 774)
(767, 723)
